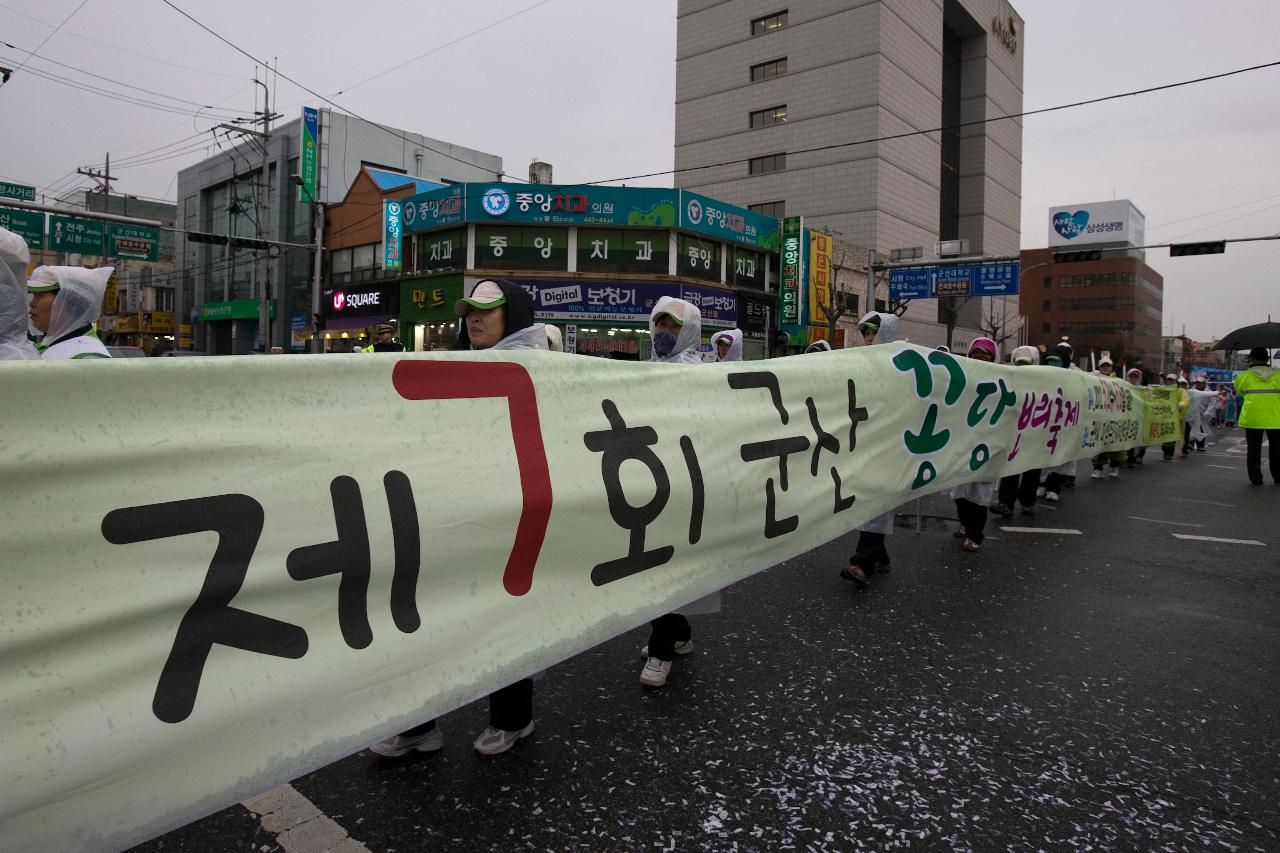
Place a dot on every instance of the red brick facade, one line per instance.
(1113, 304)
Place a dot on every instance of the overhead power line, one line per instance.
(43, 43)
(950, 127)
(116, 96)
(314, 93)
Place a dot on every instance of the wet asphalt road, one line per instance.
(1109, 690)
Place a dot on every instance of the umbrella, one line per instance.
(1248, 337)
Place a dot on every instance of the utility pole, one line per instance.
(264, 287)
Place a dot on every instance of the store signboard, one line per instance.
(309, 155)
(819, 277)
(429, 299)
(605, 301)
(27, 224)
(792, 271)
(360, 300)
(236, 309)
(392, 236)
(722, 221)
(71, 234)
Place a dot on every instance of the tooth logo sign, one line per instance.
(1070, 225)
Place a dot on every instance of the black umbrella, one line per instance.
(1248, 337)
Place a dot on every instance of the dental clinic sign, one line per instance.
(1116, 222)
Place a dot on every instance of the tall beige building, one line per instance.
(788, 97)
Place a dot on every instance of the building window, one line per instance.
(776, 209)
(769, 117)
(769, 23)
(1046, 328)
(1048, 305)
(1048, 282)
(767, 164)
(768, 70)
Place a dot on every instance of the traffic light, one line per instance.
(1077, 255)
(1212, 247)
(201, 237)
(250, 243)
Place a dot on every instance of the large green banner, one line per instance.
(196, 610)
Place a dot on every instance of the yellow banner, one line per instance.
(819, 277)
(200, 607)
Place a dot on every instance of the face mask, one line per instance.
(663, 343)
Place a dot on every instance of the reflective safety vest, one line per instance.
(81, 346)
(1260, 388)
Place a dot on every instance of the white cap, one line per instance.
(487, 294)
(1106, 359)
(1173, 376)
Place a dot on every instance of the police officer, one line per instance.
(384, 340)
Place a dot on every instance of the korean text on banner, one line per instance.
(186, 629)
(819, 278)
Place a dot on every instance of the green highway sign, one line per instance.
(21, 192)
(71, 234)
(27, 224)
(136, 242)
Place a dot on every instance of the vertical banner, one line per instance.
(819, 282)
(392, 232)
(309, 154)
(571, 338)
(791, 283)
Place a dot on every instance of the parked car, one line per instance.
(174, 353)
(127, 352)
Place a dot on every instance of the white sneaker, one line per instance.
(496, 741)
(1040, 492)
(1096, 475)
(1115, 472)
(655, 672)
(681, 648)
(1051, 497)
(394, 747)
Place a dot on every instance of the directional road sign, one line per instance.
(993, 279)
(27, 224)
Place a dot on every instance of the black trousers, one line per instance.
(870, 551)
(973, 518)
(665, 632)
(1053, 482)
(511, 708)
(1020, 488)
(1186, 439)
(1136, 453)
(1253, 453)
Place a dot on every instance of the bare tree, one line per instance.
(999, 327)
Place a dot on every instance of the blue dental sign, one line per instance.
(997, 279)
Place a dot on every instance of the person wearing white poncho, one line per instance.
(14, 257)
(728, 345)
(65, 303)
(675, 328)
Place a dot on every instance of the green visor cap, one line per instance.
(487, 294)
(673, 317)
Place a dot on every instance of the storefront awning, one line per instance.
(331, 323)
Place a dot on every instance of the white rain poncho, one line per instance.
(887, 334)
(530, 337)
(1200, 412)
(77, 306)
(978, 492)
(14, 257)
(690, 336)
(734, 336)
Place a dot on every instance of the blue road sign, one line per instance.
(994, 279)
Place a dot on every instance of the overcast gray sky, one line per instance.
(588, 85)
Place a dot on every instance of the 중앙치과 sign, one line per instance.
(190, 628)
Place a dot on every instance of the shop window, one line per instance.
(769, 23)
(699, 258)
(1046, 328)
(1048, 282)
(610, 250)
(768, 70)
(1048, 305)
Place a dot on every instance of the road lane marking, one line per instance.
(1193, 501)
(298, 825)
(1062, 530)
(1158, 521)
(1228, 467)
(1216, 539)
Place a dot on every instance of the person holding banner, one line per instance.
(1116, 458)
(497, 315)
(972, 499)
(817, 346)
(65, 303)
(1171, 381)
(1203, 404)
(1259, 385)
(1064, 475)
(871, 555)
(1135, 454)
(14, 257)
(1019, 488)
(728, 345)
(675, 327)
